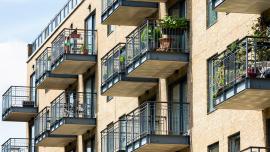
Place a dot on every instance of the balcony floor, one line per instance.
(252, 94)
(243, 6)
(48, 140)
(73, 126)
(160, 143)
(56, 81)
(157, 64)
(128, 87)
(74, 64)
(20, 114)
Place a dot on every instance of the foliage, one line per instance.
(173, 22)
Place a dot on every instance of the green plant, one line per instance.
(149, 33)
(260, 28)
(173, 22)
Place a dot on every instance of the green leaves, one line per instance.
(174, 22)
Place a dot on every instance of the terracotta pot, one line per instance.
(165, 43)
(251, 72)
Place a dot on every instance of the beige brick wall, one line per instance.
(217, 126)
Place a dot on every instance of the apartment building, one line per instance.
(147, 76)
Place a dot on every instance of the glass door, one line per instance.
(89, 98)
(90, 37)
(176, 107)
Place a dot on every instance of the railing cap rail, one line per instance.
(68, 92)
(14, 86)
(120, 45)
(70, 29)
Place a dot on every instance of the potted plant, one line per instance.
(219, 80)
(149, 35)
(171, 25)
(83, 49)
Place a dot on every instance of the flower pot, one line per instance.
(251, 72)
(165, 43)
(85, 51)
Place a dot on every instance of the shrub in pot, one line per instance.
(171, 25)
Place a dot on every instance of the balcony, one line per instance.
(43, 136)
(45, 79)
(126, 12)
(241, 6)
(256, 149)
(113, 139)
(154, 52)
(19, 104)
(73, 113)
(240, 75)
(18, 145)
(158, 126)
(74, 51)
(114, 80)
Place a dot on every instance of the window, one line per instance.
(213, 148)
(33, 87)
(90, 24)
(109, 98)
(211, 14)
(110, 138)
(234, 143)
(122, 133)
(210, 101)
(110, 29)
(90, 145)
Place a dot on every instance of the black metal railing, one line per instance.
(256, 149)
(157, 118)
(43, 63)
(18, 145)
(150, 36)
(73, 105)
(113, 138)
(74, 41)
(246, 58)
(113, 62)
(19, 96)
(42, 122)
(106, 4)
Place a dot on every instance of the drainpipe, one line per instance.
(80, 97)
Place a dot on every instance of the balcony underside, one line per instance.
(128, 13)
(242, 6)
(20, 114)
(128, 87)
(73, 126)
(56, 81)
(251, 94)
(157, 64)
(49, 140)
(74, 64)
(160, 143)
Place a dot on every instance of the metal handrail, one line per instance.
(111, 64)
(19, 96)
(18, 144)
(256, 149)
(73, 105)
(74, 41)
(245, 58)
(150, 36)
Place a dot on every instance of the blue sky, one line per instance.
(20, 22)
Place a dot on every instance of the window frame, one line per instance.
(110, 29)
(213, 146)
(233, 138)
(209, 98)
(208, 7)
